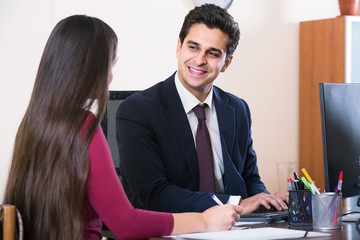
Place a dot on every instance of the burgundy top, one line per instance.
(108, 202)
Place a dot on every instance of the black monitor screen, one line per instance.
(340, 121)
(108, 124)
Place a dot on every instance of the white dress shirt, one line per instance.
(189, 101)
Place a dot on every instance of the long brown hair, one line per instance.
(49, 169)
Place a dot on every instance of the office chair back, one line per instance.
(108, 123)
(9, 215)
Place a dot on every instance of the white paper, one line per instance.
(250, 234)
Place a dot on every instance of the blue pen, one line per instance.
(217, 200)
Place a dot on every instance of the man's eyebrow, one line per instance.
(211, 49)
(192, 42)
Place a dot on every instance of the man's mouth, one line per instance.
(196, 70)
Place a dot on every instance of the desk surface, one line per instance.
(348, 231)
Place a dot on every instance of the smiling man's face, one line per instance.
(201, 58)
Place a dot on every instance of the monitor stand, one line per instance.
(351, 205)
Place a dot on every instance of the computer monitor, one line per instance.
(340, 121)
(108, 123)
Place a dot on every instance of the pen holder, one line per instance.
(300, 210)
(327, 211)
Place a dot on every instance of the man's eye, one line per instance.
(214, 54)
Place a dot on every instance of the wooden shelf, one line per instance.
(322, 59)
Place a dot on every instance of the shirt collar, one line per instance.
(188, 100)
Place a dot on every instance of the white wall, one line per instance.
(264, 70)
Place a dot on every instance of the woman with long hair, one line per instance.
(62, 177)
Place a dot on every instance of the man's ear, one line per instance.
(227, 63)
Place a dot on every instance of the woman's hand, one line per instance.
(223, 217)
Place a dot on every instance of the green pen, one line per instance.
(307, 185)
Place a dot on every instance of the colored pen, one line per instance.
(311, 183)
(292, 184)
(314, 187)
(335, 215)
(289, 184)
(307, 185)
(296, 176)
(296, 181)
(333, 204)
(339, 186)
(296, 184)
(217, 200)
(300, 185)
(306, 175)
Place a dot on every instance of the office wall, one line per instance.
(264, 70)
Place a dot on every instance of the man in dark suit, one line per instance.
(156, 129)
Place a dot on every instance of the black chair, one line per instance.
(108, 125)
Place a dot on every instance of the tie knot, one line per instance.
(200, 112)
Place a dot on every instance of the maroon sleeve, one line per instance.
(109, 200)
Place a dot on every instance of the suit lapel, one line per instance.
(175, 114)
(226, 120)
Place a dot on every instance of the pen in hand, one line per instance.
(217, 200)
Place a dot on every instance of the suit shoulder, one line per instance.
(140, 102)
(145, 96)
(230, 98)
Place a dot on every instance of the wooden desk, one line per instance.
(349, 231)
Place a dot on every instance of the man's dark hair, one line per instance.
(213, 17)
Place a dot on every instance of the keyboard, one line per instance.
(272, 216)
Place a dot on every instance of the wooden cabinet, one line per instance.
(329, 52)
